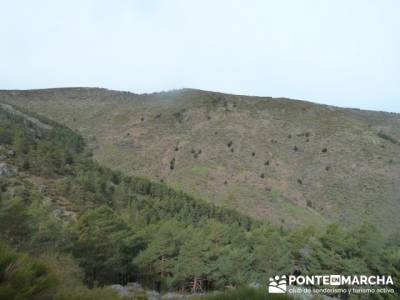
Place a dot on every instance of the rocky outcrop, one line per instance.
(64, 214)
(122, 291)
(134, 290)
(7, 170)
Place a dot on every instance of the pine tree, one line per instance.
(159, 256)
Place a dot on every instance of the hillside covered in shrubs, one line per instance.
(70, 227)
(291, 162)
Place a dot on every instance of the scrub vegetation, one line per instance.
(69, 227)
(346, 162)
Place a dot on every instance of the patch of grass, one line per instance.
(275, 194)
(120, 120)
(308, 214)
(199, 170)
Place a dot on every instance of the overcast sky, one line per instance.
(339, 52)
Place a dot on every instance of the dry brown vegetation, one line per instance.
(270, 158)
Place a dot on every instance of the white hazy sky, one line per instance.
(340, 52)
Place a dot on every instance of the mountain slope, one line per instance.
(289, 161)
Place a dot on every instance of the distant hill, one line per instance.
(292, 162)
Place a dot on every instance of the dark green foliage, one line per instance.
(14, 221)
(3, 186)
(23, 277)
(271, 253)
(388, 138)
(179, 116)
(87, 294)
(42, 150)
(162, 245)
(26, 277)
(102, 238)
(6, 136)
(172, 164)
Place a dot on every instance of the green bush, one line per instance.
(87, 294)
(387, 137)
(23, 277)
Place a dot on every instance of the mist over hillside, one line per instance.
(291, 162)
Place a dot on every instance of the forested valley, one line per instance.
(70, 228)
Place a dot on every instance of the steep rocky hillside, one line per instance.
(293, 162)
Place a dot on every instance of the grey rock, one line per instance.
(64, 214)
(255, 285)
(43, 188)
(11, 153)
(172, 296)
(122, 291)
(7, 170)
(134, 289)
(2, 157)
(153, 295)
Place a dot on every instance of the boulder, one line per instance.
(255, 285)
(153, 295)
(7, 170)
(172, 296)
(134, 290)
(122, 291)
(43, 188)
(64, 214)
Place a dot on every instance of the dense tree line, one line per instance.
(122, 228)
